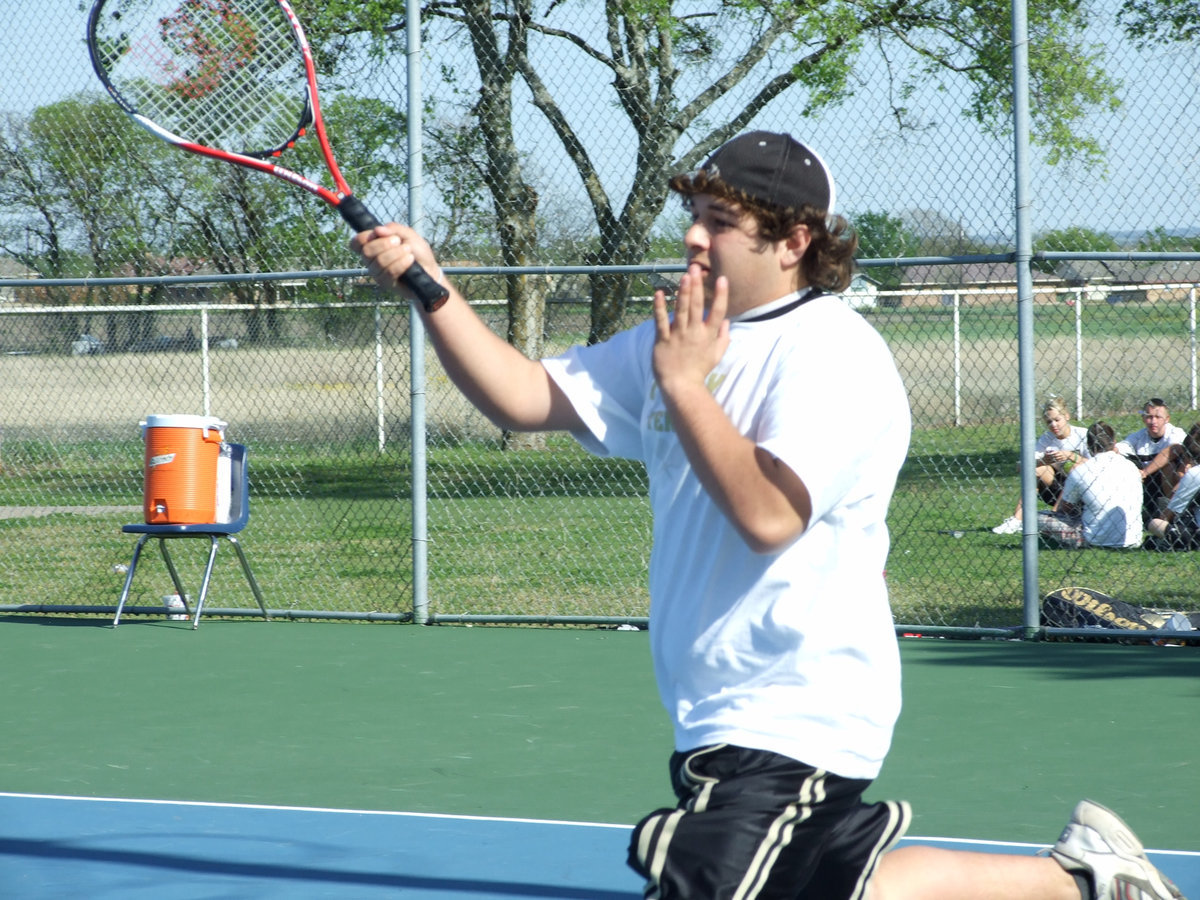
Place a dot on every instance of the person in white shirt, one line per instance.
(764, 548)
(1149, 449)
(1101, 503)
(1179, 526)
(1060, 447)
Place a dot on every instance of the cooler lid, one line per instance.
(204, 423)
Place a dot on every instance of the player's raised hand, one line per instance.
(390, 250)
(690, 344)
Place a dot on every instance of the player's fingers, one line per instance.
(360, 240)
(662, 317)
(398, 258)
(387, 258)
(720, 303)
(689, 307)
(682, 310)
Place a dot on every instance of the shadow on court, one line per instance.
(98, 849)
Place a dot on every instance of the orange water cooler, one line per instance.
(183, 456)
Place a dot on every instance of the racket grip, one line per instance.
(356, 214)
(431, 294)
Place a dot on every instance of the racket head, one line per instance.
(233, 75)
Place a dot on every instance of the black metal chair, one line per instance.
(239, 507)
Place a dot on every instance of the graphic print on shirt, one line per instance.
(658, 419)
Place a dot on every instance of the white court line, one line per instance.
(419, 815)
(1023, 846)
(315, 809)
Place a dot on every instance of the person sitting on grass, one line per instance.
(1161, 475)
(1179, 526)
(1101, 502)
(1145, 447)
(1060, 447)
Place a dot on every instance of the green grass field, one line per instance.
(551, 532)
(983, 321)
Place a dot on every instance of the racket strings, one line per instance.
(224, 73)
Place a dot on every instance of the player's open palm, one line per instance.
(690, 344)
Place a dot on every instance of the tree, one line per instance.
(883, 236)
(1161, 21)
(1076, 238)
(83, 181)
(487, 146)
(74, 190)
(500, 47)
(242, 221)
(1159, 240)
(686, 81)
(33, 214)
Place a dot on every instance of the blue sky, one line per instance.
(1153, 176)
(58, 27)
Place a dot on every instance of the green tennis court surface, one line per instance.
(997, 742)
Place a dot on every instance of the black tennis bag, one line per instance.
(1080, 607)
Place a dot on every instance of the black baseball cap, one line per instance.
(774, 168)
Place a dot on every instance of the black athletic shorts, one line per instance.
(1050, 493)
(753, 824)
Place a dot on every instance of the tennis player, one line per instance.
(773, 643)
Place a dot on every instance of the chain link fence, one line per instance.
(324, 407)
(554, 163)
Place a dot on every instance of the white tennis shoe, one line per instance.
(1096, 842)
(1011, 525)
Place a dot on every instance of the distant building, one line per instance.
(862, 293)
(10, 268)
(1129, 281)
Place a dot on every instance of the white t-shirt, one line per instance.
(792, 652)
(1144, 447)
(1075, 442)
(1109, 490)
(1185, 493)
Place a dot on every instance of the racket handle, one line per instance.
(431, 294)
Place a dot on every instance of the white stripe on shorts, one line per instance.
(779, 835)
(899, 816)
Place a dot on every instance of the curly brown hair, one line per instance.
(828, 263)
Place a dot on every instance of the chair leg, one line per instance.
(212, 556)
(249, 575)
(137, 551)
(214, 542)
(174, 573)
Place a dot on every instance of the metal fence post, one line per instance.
(1079, 353)
(204, 361)
(957, 358)
(380, 405)
(1192, 339)
(1024, 255)
(420, 522)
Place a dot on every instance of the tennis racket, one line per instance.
(229, 79)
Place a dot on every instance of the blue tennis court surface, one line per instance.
(71, 847)
(53, 847)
